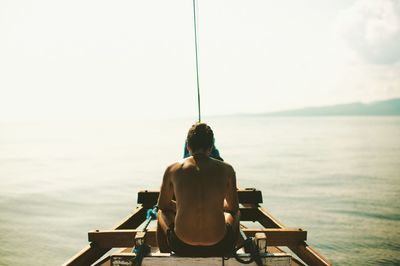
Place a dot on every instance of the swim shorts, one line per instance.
(222, 248)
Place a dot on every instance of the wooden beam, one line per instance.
(165, 259)
(125, 238)
(149, 197)
(309, 255)
(86, 256)
(302, 250)
(248, 213)
(93, 252)
(280, 237)
(266, 219)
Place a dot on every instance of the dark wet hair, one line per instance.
(200, 136)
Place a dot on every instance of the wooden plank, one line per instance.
(93, 252)
(86, 256)
(261, 241)
(149, 197)
(302, 250)
(309, 255)
(164, 259)
(294, 262)
(126, 238)
(266, 219)
(279, 237)
(106, 261)
(248, 213)
(133, 220)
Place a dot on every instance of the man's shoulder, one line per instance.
(224, 164)
(174, 166)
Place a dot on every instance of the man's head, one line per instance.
(200, 138)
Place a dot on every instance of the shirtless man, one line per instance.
(204, 218)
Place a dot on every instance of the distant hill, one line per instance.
(379, 108)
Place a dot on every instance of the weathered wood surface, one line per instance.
(84, 256)
(309, 255)
(126, 238)
(302, 250)
(92, 252)
(276, 250)
(149, 197)
(261, 241)
(163, 259)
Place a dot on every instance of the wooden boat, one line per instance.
(277, 244)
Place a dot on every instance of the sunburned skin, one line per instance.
(204, 188)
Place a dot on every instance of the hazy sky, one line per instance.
(127, 59)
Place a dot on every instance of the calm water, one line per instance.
(338, 178)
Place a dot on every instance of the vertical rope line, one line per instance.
(197, 58)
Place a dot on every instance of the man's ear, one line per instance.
(188, 147)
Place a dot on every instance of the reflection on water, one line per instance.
(338, 178)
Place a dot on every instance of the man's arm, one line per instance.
(167, 192)
(231, 198)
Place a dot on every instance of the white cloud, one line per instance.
(372, 29)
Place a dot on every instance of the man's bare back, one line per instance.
(205, 200)
(200, 185)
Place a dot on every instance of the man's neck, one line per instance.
(200, 154)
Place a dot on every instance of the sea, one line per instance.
(336, 177)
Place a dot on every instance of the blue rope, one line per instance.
(251, 247)
(152, 213)
(144, 249)
(141, 251)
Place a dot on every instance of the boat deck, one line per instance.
(125, 257)
(269, 233)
